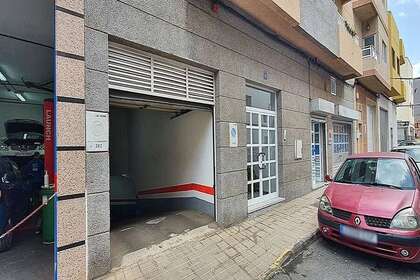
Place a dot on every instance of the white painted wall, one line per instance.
(161, 152)
(18, 111)
(406, 113)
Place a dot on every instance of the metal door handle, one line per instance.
(261, 158)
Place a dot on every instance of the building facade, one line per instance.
(219, 107)
(253, 98)
(405, 111)
(416, 108)
(377, 92)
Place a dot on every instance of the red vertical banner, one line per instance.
(49, 140)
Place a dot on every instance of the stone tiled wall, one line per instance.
(70, 108)
(97, 163)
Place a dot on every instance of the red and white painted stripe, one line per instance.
(202, 192)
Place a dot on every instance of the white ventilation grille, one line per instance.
(136, 71)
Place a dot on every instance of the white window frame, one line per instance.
(333, 85)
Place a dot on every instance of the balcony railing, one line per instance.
(369, 52)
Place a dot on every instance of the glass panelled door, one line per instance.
(262, 155)
(317, 156)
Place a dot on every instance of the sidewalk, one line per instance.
(248, 250)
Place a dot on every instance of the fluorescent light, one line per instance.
(20, 96)
(2, 77)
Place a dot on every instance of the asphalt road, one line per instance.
(325, 260)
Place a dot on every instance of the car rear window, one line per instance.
(376, 172)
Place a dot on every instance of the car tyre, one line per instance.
(6, 242)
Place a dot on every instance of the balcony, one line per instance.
(399, 87)
(365, 9)
(375, 74)
(320, 37)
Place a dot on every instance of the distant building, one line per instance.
(416, 109)
(405, 115)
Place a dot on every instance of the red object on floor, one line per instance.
(215, 7)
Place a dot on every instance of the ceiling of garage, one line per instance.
(26, 53)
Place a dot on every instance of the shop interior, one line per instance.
(26, 106)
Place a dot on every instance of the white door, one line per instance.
(370, 128)
(317, 153)
(262, 156)
(341, 144)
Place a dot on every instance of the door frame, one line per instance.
(324, 161)
(262, 201)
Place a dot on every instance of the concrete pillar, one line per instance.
(231, 182)
(70, 124)
(97, 163)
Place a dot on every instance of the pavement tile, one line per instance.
(132, 272)
(244, 251)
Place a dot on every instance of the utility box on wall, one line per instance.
(298, 149)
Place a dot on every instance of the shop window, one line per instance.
(341, 135)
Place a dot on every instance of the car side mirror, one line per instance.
(328, 178)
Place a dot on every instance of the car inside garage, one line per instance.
(161, 150)
(26, 113)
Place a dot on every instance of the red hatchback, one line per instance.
(373, 205)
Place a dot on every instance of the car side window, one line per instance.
(415, 166)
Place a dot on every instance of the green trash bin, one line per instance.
(47, 216)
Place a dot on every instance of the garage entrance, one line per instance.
(26, 152)
(161, 150)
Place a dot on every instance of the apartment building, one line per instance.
(376, 91)
(212, 108)
(405, 112)
(416, 108)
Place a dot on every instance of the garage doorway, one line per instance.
(26, 112)
(162, 170)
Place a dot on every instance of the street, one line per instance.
(327, 260)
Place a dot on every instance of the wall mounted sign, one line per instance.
(298, 149)
(97, 131)
(233, 135)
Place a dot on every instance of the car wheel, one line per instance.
(6, 242)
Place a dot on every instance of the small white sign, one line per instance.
(298, 149)
(233, 134)
(97, 134)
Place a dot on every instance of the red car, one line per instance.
(373, 205)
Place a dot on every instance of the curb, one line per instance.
(290, 254)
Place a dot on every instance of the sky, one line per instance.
(407, 16)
